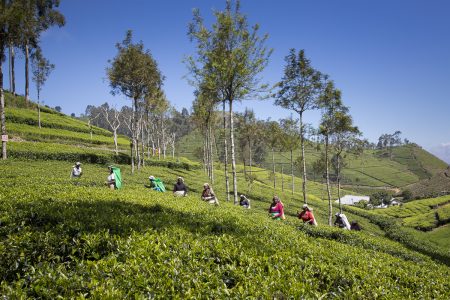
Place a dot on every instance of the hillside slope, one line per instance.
(78, 239)
(409, 167)
(63, 239)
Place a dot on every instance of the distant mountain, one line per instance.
(442, 151)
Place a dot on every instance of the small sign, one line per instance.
(4, 138)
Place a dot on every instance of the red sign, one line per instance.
(4, 138)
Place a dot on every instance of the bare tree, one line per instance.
(112, 116)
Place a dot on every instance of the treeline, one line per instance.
(22, 23)
(230, 56)
(159, 129)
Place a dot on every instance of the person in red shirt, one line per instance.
(276, 209)
(307, 216)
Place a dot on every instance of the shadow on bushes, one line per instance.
(56, 232)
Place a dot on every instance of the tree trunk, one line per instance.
(13, 71)
(273, 167)
(27, 73)
(302, 145)
(250, 155)
(10, 67)
(211, 152)
(327, 172)
(227, 179)
(132, 157)
(339, 181)
(2, 102)
(115, 141)
(173, 145)
(233, 159)
(205, 153)
(292, 172)
(133, 133)
(143, 143)
(148, 141)
(39, 110)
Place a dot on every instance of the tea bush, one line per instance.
(51, 120)
(78, 239)
(34, 133)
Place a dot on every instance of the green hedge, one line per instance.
(50, 120)
(34, 133)
(49, 151)
(403, 235)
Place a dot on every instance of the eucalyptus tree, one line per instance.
(41, 68)
(249, 132)
(344, 138)
(36, 16)
(235, 54)
(135, 74)
(204, 116)
(273, 138)
(112, 116)
(299, 90)
(6, 23)
(333, 113)
(290, 139)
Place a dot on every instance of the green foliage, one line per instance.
(51, 120)
(381, 197)
(33, 133)
(60, 239)
(407, 195)
(404, 235)
(47, 151)
(133, 71)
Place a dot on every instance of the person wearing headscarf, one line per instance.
(179, 188)
(276, 209)
(244, 202)
(342, 221)
(76, 170)
(111, 180)
(307, 216)
(208, 194)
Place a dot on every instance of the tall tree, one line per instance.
(299, 90)
(273, 138)
(332, 110)
(133, 73)
(249, 131)
(344, 138)
(36, 16)
(41, 70)
(290, 140)
(235, 54)
(204, 116)
(6, 22)
(112, 116)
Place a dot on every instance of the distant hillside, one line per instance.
(409, 167)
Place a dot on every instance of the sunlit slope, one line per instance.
(58, 238)
(408, 164)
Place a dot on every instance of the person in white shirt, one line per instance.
(111, 180)
(76, 171)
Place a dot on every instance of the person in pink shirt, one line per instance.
(307, 216)
(276, 209)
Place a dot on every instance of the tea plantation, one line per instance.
(77, 239)
(64, 238)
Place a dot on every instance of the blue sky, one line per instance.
(391, 59)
